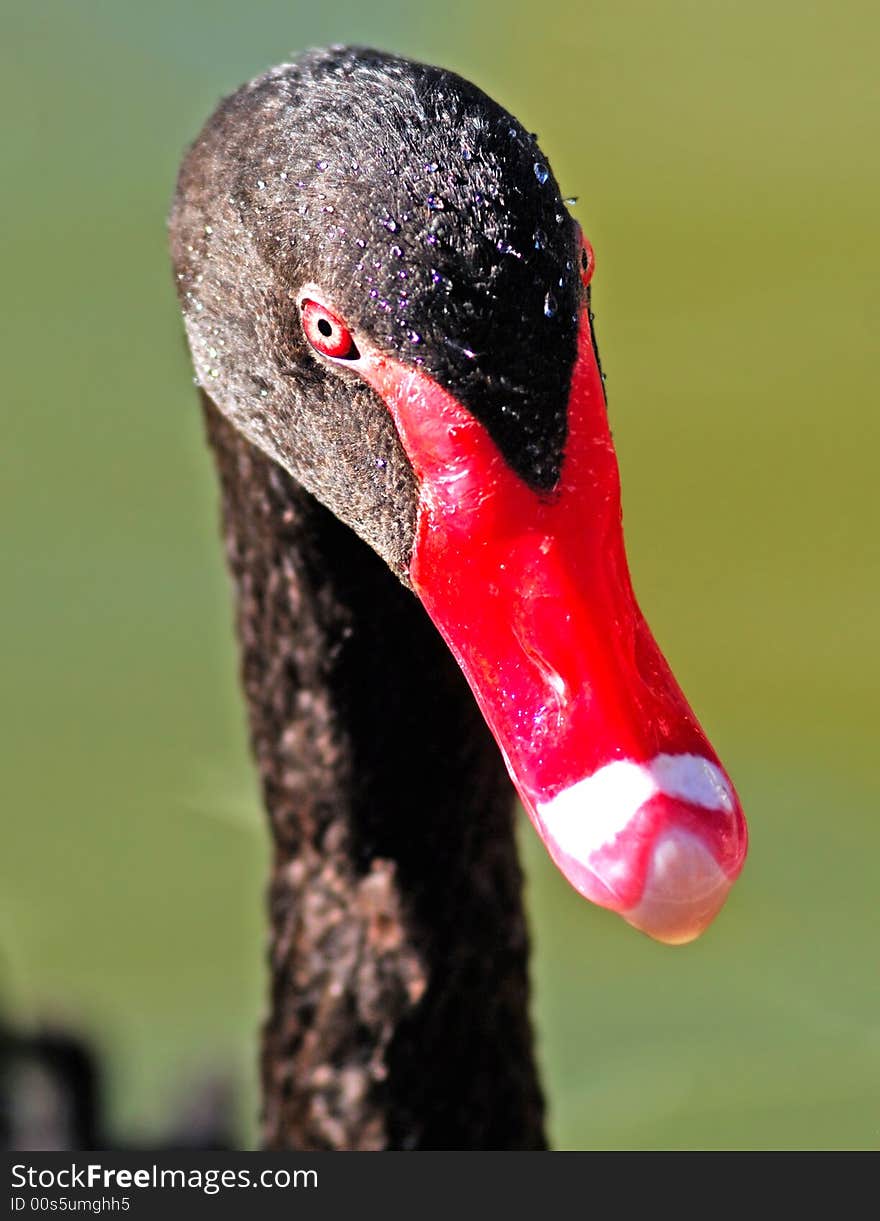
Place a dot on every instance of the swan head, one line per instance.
(384, 291)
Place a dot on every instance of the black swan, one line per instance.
(387, 305)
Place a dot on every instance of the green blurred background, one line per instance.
(725, 156)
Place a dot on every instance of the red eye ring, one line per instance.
(327, 333)
(586, 262)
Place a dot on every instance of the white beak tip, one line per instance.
(685, 888)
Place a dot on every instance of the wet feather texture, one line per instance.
(414, 201)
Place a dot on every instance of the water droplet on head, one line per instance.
(397, 252)
(414, 337)
(506, 248)
(321, 165)
(260, 184)
(550, 306)
(540, 239)
(432, 167)
(391, 224)
(541, 172)
(435, 203)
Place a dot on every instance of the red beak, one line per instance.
(532, 593)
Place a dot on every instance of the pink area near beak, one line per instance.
(532, 593)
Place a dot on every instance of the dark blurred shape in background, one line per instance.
(52, 1097)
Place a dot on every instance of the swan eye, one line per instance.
(326, 333)
(587, 263)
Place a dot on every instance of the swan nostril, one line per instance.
(587, 262)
